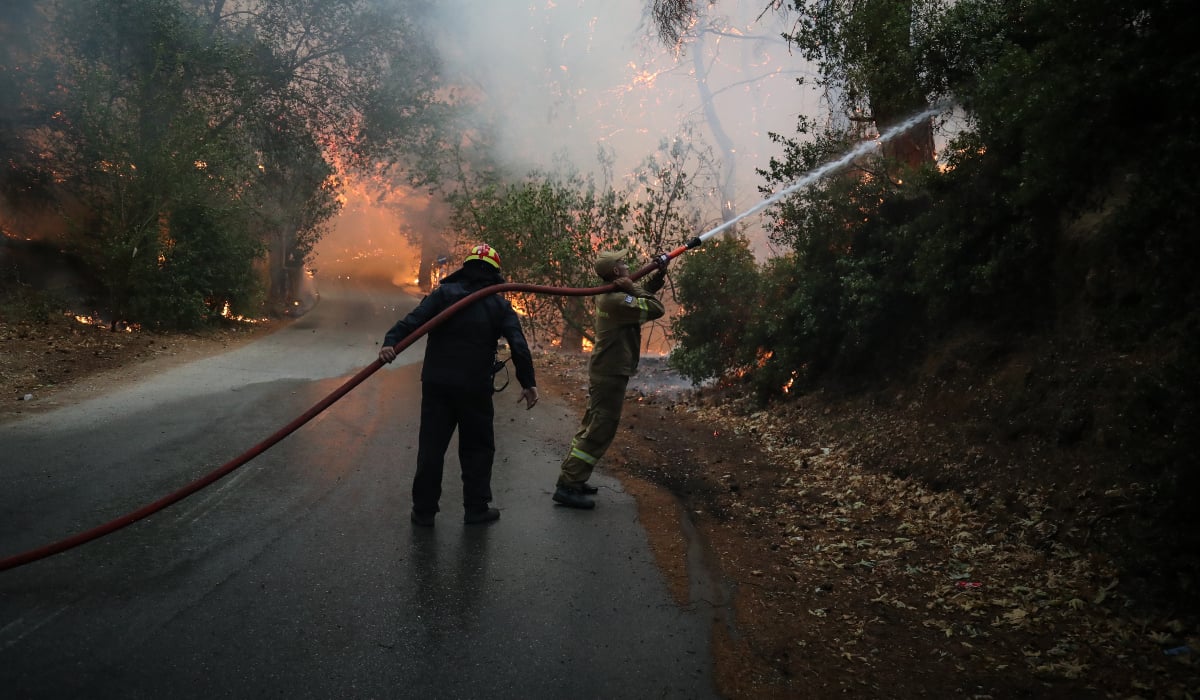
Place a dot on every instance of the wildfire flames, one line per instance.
(95, 321)
(787, 386)
(227, 313)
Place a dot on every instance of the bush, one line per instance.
(207, 263)
(718, 291)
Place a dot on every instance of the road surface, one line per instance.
(299, 575)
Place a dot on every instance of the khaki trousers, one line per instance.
(606, 396)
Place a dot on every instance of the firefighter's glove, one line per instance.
(625, 284)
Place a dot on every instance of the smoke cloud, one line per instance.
(567, 78)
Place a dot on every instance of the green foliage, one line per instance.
(158, 109)
(1082, 114)
(665, 183)
(294, 197)
(717, 287)
(207, 264)
(869, 53)
(135, 146)
(547, 230)
(846, 300)
(20, 302)
(1068, 197)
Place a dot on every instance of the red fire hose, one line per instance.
(151, 508)
(659, 260)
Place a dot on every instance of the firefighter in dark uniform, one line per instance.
(619, 319)
(456, 383)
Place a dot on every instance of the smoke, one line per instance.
(561, 80)
(569, 77)
(564, 78)
(367, 239)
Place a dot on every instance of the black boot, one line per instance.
(573, 498)
(475, 517)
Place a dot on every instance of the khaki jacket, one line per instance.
(619, 319)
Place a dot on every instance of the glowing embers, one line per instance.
(227, 313)
(519, 303)
(787, 386)
(120, 326)
(585, 345)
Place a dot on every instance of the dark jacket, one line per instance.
(461, 350)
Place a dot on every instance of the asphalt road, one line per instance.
(299, 575)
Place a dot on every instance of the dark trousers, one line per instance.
(443, 409)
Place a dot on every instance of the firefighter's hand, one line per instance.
(387, 354)
(661, 261)
(529, 396)
(625, 284)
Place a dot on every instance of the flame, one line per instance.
(787, 386)
(226, 313)
(97, 321)
(642, 78)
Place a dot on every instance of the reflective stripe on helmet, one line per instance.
(486, 253)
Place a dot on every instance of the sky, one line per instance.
(568, 76)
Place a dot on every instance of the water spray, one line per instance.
(657, 262)
(809, 178)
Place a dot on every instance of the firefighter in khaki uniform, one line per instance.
(619, 319)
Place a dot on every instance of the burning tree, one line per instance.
(233, 112)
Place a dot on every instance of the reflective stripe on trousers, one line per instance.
(606, 397)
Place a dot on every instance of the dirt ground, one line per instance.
(870, 548)
(44, 365)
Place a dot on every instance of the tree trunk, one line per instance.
(572, 337)
(912, 148)
(425, 273)
(726, 179)
(433, 258)
(277, 290)
(895, 94)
